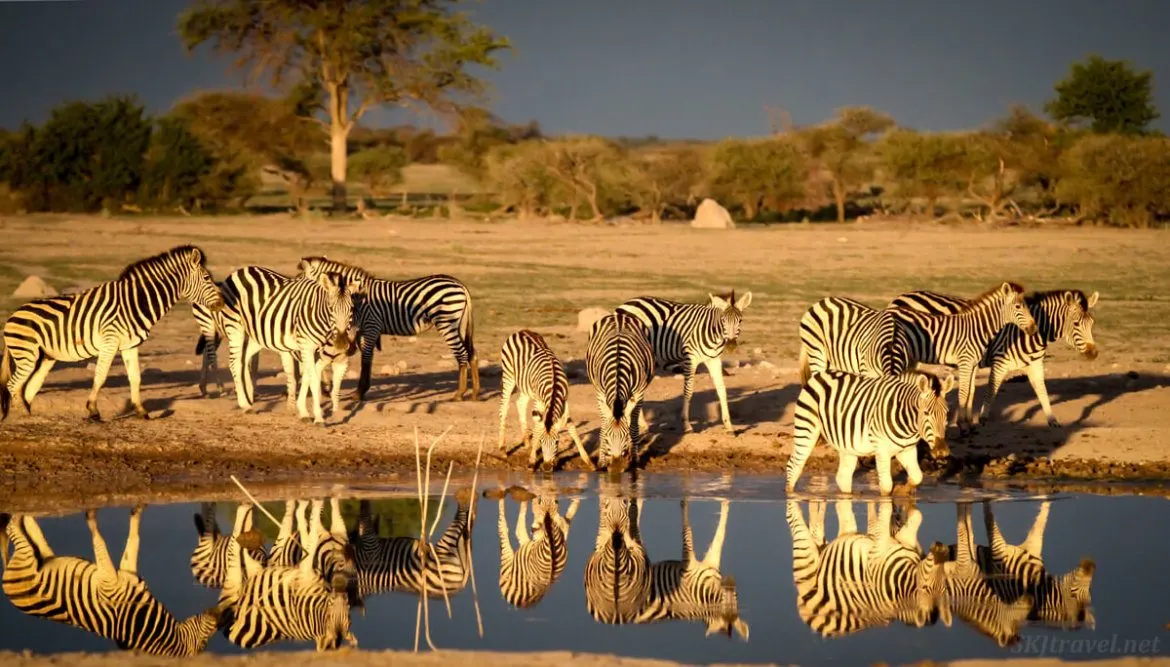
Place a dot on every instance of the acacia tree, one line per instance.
(357, 53)
(1109, 95)
(922, 165)
(839, 148)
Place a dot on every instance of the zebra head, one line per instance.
(337, 621)
(728, 620)
(1075, 588)
(340, 291)
(932, 411)
(1014, 308)
(730, 315)
(196, 284)
(617, 444)
(931, 600)
(547, 429)
(1078, 323)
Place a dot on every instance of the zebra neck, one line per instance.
(1048, 316)
(150, 298)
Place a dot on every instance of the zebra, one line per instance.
(209, 558)
(407, 308)
(695, 589)
(396, 563)
(1059, 314)
(1017, 571)
(115, 316)
(112, 603)
(261, 605)
(530, 367)
(529, 571)
(684, 335)
(863, 580)
(620, 364)
(973, 597)
(961, 339)
(884, 417)
(839, 333)
(617, 574)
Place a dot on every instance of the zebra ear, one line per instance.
(948, 383)
(1006, 288)
(923, 382)
(718, 301)
(1093, 299)
(744, 301)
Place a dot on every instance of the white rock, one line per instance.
(34, 288)
(757, 351)
(586, 317)
(401, 365)
(711, 215)
(388, 369)
(412, 339)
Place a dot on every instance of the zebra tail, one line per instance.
(805, 370)
(5, 374)
(201, 344)
(467, 329)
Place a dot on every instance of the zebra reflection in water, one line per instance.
(529, 571)
(617, 574)
(864, 580)
(112, 603)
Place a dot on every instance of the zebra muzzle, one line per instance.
(1090, 352)
(730, 344)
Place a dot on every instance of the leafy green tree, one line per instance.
(660, 179)
(516, 174)
(1123, 179)
(378, 168)
(1108, 95)
(924, 165)
(759, 173)
(178, 165)
(842, 150)
(359, 53)
(588, 169)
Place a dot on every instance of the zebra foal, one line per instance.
(620, 364)
(884, 417)
(1059, 315)
(530, 368)
(116, 316)
(684, 335)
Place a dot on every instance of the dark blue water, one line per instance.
(1123, 536)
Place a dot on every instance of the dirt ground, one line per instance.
(538, 275)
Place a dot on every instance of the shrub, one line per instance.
(1123, 180)
(757, 174)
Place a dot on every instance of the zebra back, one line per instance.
(839, 333)
(620, 364)
(679, 332)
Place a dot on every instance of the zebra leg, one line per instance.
(885, 477)
(290, 379)
(508, 386)
(1034, 542)
(522, 536)
(239, 357)
(580, 445)
(995, 380)
(806, 435)
(908, 457)
(688, 536)
(714, 556)
(370, 338)
(129, 564)
(309, 382)
(524, 416)
(688, 390)
(715, 368)
(18, 381)
(846, 520)
(104, 360)
(966, 397)
(1035, 372)
(101, 554)
(845, 469)
(338, 368)
(134, 375)
(37, 380)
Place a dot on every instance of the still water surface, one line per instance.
(1104, 568)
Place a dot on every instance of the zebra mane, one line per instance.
(154, 260)
(983, 298)
(1034, 298)
(557, 395)
(334, 266)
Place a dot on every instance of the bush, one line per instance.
(378, 168)
(659, 180)
(923, 166)
(760, 174)
(1123, 180)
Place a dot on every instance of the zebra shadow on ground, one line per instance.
(413, 392)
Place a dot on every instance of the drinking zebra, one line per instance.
(261, 605)
(1018, 572)
(961, 339)
(860, 581)
(112, 603)
(839, 333)
(209, 558)
(530, 570)
(617, 574)
(1059, 315)
(684, 335)
(695, 589)
(408, 308)
(884, 417)
(620, 364)
(115, 316)
(529, 367)
(396, 563)
(973, 598)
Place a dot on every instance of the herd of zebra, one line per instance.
(306, 584)
(866, 378)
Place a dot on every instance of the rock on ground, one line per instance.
(710, 215)
(586, 318)
(34, 288)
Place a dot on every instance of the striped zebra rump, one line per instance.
(245, 291)
(408, 308)
(209, 558)
(112, 603)
(617, 574)
(972, 597)
(839, 333)
(528, 572)
(684, 335)
(111, 318)
(620, 364)
(863, 580)
(694, 589)
(396, 563)
(1018, 571)
(884, 417)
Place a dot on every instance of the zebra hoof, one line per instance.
(144, 415)
(687, 428)
(1053, 422)
(94, 418)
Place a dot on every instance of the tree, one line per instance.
(839, 148)
(178, 165)
(517, 174)
(359, 53)
(1125, 180)
(1109, 95)
(926, 166)
(769, 172)
(378, 168)
(664, 178)
(587, 167)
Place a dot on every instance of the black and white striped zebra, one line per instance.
(261, 605)
(1018, 572)
(1059, 315)
(529, 571)
(529, 367)
(843, 334)
(209, 558)
(620, 364)
(694, 589)
(113, 317)
(961, 339)
(617, 574)
(396, 563)
(884, 417)
(971, 593)
(407, 308)
(684, 335)
(112, 603)
(865, 580)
